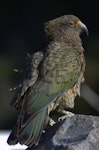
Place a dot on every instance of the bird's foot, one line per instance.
(66, 115)
(51, 122)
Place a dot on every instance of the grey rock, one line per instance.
(79, 132)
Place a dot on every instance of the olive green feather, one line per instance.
(52, 79)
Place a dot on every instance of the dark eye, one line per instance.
(72, 23)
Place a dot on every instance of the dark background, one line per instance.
(21, 32)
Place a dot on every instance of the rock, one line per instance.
(79, 132)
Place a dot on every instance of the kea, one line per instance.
(51, 80)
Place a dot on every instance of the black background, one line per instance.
(21, 32)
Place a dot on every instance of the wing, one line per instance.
(59, 72)
(30, 76)
(63, 68)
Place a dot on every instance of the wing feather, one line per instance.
(30, 76)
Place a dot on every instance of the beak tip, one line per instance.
(84, 27)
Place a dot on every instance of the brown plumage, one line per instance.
(52, 80)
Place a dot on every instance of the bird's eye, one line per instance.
(72, 23)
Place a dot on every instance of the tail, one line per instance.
(30, 134)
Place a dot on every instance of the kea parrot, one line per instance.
(51, 80)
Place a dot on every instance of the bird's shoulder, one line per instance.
(60, 56)
(61, 67)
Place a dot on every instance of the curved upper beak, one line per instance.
(83, 26)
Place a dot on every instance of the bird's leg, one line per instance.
(51, 122)
(66, 115)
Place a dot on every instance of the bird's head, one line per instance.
(66, 26)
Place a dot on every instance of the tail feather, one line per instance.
(31, 133)
(12, 139)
